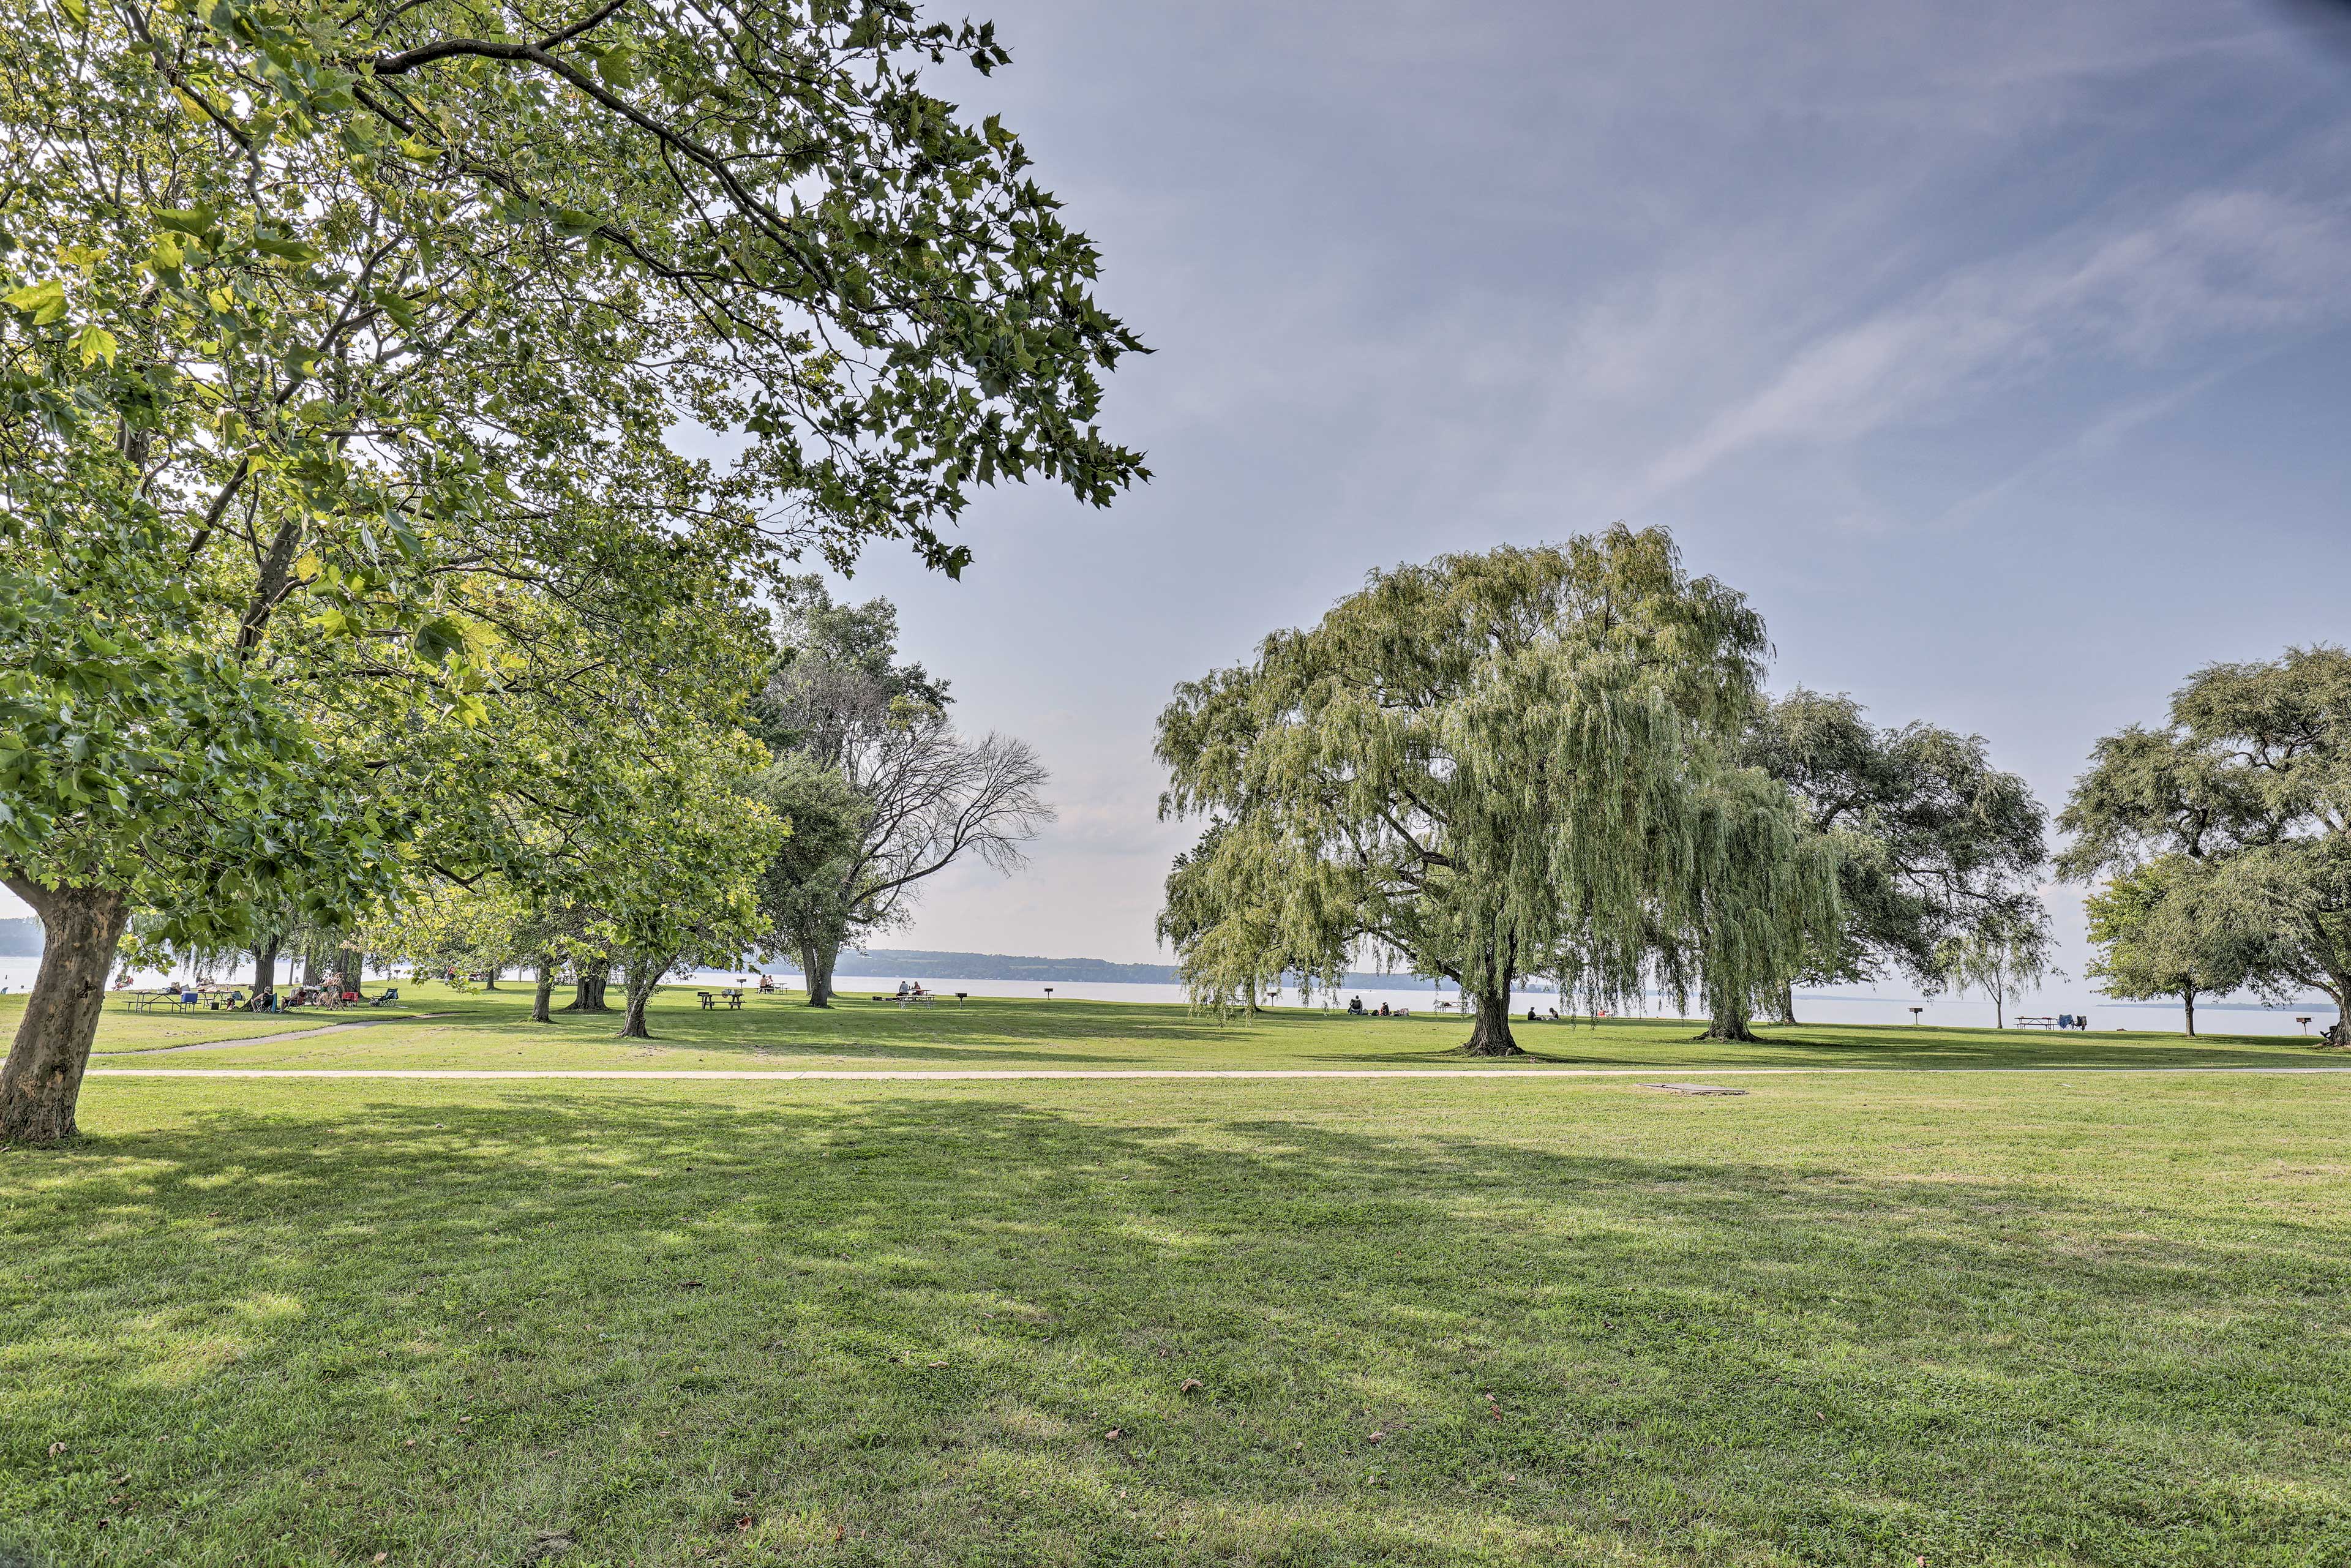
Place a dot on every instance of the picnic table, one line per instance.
(733, 999)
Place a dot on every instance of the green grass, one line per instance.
(120, 1029)
(491, 1030)
(1969, 1318)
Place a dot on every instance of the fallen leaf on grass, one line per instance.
(1375, 1436)
(1187, 1386)
(55, 1449)
(1114, 1434)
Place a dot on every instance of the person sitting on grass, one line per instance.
(1356, 1005)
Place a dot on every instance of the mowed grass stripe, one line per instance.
(1854, 1320)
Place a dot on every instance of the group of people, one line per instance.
(1356, 1005)
(910, 988)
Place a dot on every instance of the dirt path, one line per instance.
(274, 1038)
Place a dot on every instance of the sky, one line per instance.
(1996, 351)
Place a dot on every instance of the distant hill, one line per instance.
(921, 963)
(20, 938)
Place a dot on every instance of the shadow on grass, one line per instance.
(958, 1329)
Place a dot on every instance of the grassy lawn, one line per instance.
(120, 1029)
(1881, 1319)
(491, 1030)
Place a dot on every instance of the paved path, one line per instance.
(995, 1075)
(274, 1038)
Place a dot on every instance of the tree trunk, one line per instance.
(41, 1082)
(1787, 1003)
(490, 977)
(264, 967)
(1490, 1035)
(1999, 1013)
(309, 966)
(2338, 1036)
(588, 996)
(643, 976)
(817, 960)
(2188, 997)
(545, 992)
(1729, 1023)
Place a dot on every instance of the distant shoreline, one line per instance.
(22, 939)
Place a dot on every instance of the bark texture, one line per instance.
(545, 994)
(643, 976)
(1490, 1034)
(2188, 997)
(41, 1082)
(1728, 1026)
(817, 960)
(588, 995)
(264, 967)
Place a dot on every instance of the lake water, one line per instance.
(16, 975)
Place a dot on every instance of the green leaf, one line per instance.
(193, 219)
(287, 249)
(45, 301)
(94, 343)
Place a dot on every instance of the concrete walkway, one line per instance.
(274, 1038)
(1012, 1075)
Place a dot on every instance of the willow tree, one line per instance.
(329, 332)
(1484, 762)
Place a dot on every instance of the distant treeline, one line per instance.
(918, 964)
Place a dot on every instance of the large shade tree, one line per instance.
(2249, 782)
(2159, 931)
(913, 795)
(1496, 765)
(329, 335)
(1933, 842)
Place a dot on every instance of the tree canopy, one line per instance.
(1933, 842)
(2250, 783)
(1496, 765)
(349, 357)
(892, 794)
